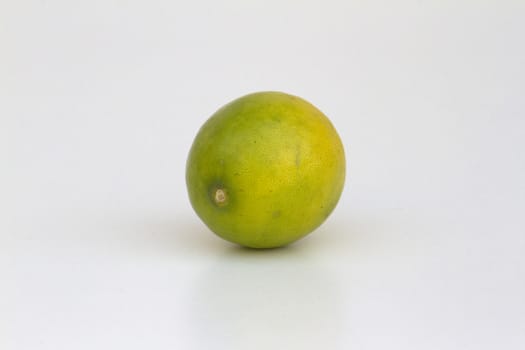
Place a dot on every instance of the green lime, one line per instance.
(265, 170)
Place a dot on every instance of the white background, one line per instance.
(99, 104)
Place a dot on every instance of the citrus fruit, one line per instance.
(265, 170)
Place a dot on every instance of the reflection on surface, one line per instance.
(267, 299)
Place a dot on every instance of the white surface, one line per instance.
(100, 249)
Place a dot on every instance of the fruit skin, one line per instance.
(265, 170)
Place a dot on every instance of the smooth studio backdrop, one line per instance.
(99, 246)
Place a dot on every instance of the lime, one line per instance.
(265, 170)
